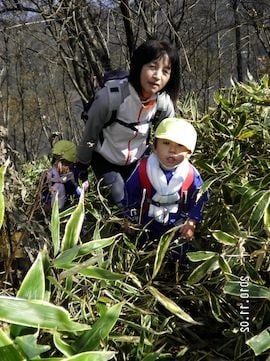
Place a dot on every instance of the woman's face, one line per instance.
(155, 75)
(169, 153)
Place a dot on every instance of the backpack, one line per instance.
(114, 81)
(145, 184)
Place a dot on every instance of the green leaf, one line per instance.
(67, 212)
(215, 306)
(233, 221)
(265, 81)
(74, 226)
(5, 340)
(266, 221)
(171, 306)
(49, 359)
(208, 184)
(28, 344)
(251, 291)
(128, 339)
(265, 181)
(61, 345)
(162, 248)
(100, 274)
(38, 314)
(247, 134)
(223, 152)
(153, 357)
(248, 89)
(253, 274)
(90, 340)
(259, 210)
(200, 255)
(33, 284)
(206, 167)
(55, 226)
(66, 257)
(3, 170)
(224, 265)
(202, 270)
(240, 125)
(92, 356)
(260, 342)
(250, 196)
(220, 127)
(94, 245)
(10, 353)
(225, 238)
(32, 287)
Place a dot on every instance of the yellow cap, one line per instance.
(65, 149)
(179, 131)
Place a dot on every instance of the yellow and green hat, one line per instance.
(178, 130)
(65, 149)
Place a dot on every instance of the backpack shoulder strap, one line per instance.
(161, 103)
(117, 91)
(143, 177)
(145, 184)
(189, 179)
(161, 107)
(185, 187)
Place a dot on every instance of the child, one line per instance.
(113, 150)
(165, 187)
(61, 177)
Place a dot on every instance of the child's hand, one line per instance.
(85, 185)
(188, 229)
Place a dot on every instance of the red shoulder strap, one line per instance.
(144, 180)
(189, 180)
(145, 183)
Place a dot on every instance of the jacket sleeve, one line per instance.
(197, 199)
(98, 115)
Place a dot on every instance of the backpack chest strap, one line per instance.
(159, 204)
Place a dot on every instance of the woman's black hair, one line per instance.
(151, 50)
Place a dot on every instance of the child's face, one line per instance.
(155, 75)
(169, 153)
(63, 166)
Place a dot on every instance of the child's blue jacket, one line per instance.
(133, 199)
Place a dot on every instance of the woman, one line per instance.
(113, 147)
